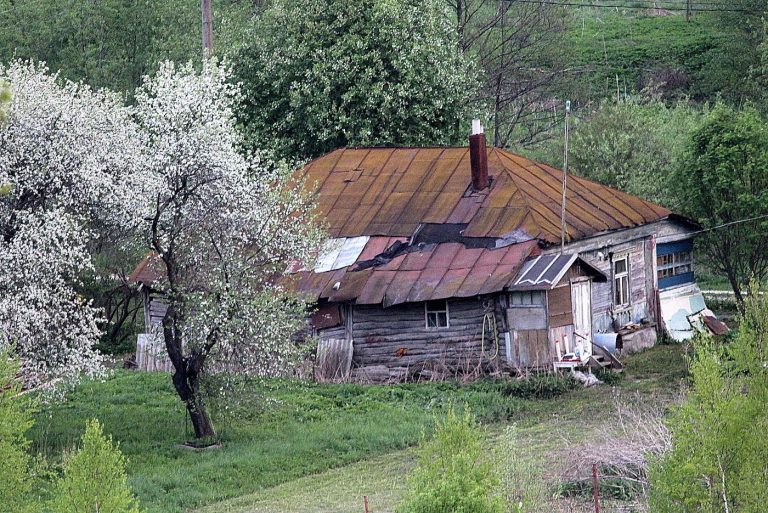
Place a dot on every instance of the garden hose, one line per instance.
(489, 320)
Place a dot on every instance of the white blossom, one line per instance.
(68, 156)
(224, 225)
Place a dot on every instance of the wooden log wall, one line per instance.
(156, 309)
(397, 339)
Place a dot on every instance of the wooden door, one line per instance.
(581, 299)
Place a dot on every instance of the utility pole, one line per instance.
(207, 28)
(565, 177)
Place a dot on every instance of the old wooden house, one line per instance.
(449, 260)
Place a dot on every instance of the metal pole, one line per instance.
(595, 492)
(565, 177)
(207, 12)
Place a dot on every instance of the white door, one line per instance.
(581, 299)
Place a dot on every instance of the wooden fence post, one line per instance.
(365, 503)
(595, 492)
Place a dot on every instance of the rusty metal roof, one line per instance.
(432, 271)
(149, 270)
(391, 191)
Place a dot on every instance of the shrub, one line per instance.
(453, 474)
(15, 419)
(94, 478)
(718, 457)
(538, 386)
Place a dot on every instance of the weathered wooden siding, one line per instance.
(531, 348)
(338, 332)
(154, 311)
(151, 354)
(529, 317)
(397, 338)
(602, 293)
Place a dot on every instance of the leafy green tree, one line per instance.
(15, 419)
(114, 43)
(635, 145)
(453, 473)
(94, 478)
(723, 178)
(719, 455)
(321, 74)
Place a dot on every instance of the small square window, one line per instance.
(436, 313)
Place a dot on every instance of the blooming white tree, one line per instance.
(225, 227)
(67, 156)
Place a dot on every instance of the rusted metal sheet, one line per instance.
(327, 316)
(386, 191)
(149, 270)
(434, 271)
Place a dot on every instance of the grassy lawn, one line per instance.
(341, 490)
(295, 453)
(543, 426)
(295, 429)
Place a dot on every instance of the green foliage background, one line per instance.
(318, 75)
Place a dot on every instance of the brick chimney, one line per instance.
(478, 157)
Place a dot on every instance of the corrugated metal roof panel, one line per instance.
(431, 271)
(404, 187)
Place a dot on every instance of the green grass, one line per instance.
(340, 490)
(296, 429)
(299, 429)
(544, 427)
(607, 44)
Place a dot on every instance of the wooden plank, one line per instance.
(560, 306)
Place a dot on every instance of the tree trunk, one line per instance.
(734, 281)
(198, 413)
(186, 376)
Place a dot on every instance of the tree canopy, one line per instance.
(723, 178)
(67, 157)
(320, 74)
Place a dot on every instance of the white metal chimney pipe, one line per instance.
(477, 128)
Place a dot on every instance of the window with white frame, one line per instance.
(436, 313)
(621, 280)
(527, 298)
(674, 264)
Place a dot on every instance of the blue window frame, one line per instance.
(674, 263)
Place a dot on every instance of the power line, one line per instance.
(731, 223)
